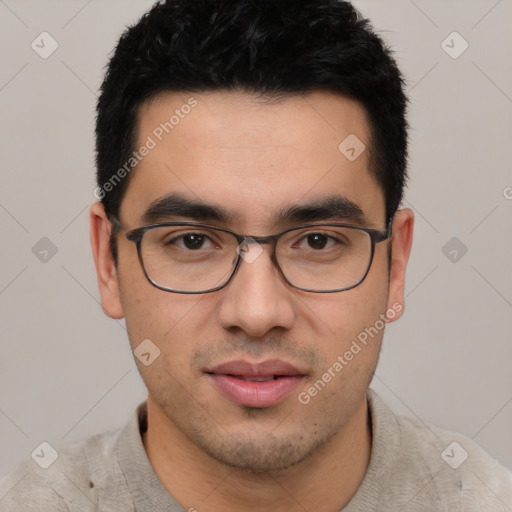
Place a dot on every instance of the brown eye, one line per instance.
(193, 241)
(317, 241)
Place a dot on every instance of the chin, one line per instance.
(263, 454)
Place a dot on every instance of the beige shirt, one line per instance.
(413, 467)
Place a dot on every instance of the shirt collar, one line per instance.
(148, 492)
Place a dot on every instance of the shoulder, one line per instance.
(452, 467)
(77, 479)
(25, 486)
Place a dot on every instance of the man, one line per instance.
(251, 162)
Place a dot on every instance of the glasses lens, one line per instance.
(324, 258)
(188, 258)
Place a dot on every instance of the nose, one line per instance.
(257, 299)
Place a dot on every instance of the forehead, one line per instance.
(250, 156)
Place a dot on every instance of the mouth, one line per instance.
(256, 385)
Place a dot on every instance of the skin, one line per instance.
(254, 158)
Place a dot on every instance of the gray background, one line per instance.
(66, 370)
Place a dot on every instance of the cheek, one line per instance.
(345, 314)
(351, 322)
(173, 323)
(157, 315)
(169, 325)
(149, 312)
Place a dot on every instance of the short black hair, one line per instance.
(272, 48)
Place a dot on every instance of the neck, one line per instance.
(199, 482)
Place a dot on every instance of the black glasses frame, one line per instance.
(135, 236)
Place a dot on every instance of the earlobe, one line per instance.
(106, 271)
(401, 243)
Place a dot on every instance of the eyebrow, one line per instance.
(332, 207)
(177, 205)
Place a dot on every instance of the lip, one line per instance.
(281, 379)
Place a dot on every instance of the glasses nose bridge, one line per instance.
(269, 239)
(259, 240)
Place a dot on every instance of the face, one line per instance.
(219, 352)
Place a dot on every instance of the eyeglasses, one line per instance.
(186, 257)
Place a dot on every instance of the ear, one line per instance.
(401, 242)
(106, 271)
